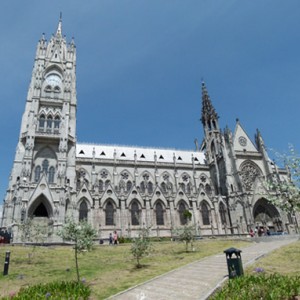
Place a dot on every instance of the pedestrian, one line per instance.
(115, 238)
(110, 239)
(251, 232)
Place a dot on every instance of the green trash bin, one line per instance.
(234, 263)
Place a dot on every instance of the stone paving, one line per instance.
(199, 279)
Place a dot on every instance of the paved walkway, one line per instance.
(199, 279)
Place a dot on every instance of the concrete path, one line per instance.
(199, 279)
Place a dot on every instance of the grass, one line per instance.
(274, 277)
(108, 269)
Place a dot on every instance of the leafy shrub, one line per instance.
(123, 240)
(260, 286)
(54, 291)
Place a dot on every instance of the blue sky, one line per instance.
(140, 65)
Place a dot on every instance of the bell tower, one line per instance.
(44, 167)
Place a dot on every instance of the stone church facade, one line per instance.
(221, 183)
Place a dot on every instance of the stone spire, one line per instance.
(59, 27)
(208, 111)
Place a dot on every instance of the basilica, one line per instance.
(221, 183)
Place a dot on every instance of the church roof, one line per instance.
(108, 152)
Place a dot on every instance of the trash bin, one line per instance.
(234, 264)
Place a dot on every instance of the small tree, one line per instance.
(33, 233)
(141, 246)
(186, 234)
(288, 191)
(81, 234)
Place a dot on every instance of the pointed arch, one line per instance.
(205, 213)
(222, 212)
(159, 213)
(182, 207)
(40, 207)
(109, 213)
(37, 173)
(83, 210)
(51, 174)
(135, 212)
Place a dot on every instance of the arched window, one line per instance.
(128, 186)
(143, 188)
(101, 186)
(107, 182)
(208, 189)
(109, 214)
(222, 212)
(37, 173)
(205, 213)
(42, 122)
(56, 122)
(159, 214)
(135, 214)
(188, 188)
(182, 209)
(51, 175)
(83, 211)
(45, 166)
(164, 187)
(49, 123)
(150, 187)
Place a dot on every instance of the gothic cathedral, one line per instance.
(221, 183)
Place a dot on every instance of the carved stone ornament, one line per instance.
(248, 174)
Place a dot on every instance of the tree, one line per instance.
(141, 246)
(81, 234)
(33, 233)
(287, 190)
(186, 234)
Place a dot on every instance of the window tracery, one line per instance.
(248, 173)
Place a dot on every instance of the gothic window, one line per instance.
(51, 175)
(135, 214)
(249, 172)
(182, 209)
(109, 214)
(101, 186)
(188, 188)
(42, 122)
(159, 214)
(107, 182)
(122, 185)
(37, 173)
(45, 166)
(142, 186)
(205, 213)
(78, 184)
(182, 185)
(49, 123)
(56, 122)
(83, 211)
(150, 187)
(222, 212)
(164, 187)
(208, 189)
(128, 186)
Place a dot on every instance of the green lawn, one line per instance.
(108, 269)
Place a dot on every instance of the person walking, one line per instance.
(115, 238)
